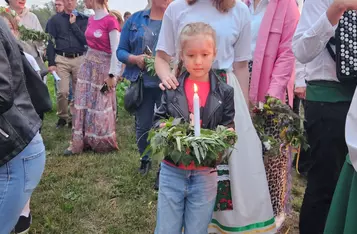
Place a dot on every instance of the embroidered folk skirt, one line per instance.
(94, 111)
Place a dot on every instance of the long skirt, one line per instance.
(94, 111)
(252, 210)
(343, 211)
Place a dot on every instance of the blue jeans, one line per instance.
(186, 200)
(18, 179)
(144, 116)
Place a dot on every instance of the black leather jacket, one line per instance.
(219, 108)
(19, 121)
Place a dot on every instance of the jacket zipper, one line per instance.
(4, 133)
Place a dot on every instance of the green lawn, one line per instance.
(99, 193)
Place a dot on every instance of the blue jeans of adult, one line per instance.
(186, 200)
(18, 179)
(144, 117)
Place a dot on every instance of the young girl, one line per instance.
(95, 103)
(187, 194)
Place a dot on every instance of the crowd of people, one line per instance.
(237, 53)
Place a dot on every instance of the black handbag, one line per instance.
(134, 95)
(37, 90)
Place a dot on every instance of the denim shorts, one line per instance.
(186, 200)
(18, 179)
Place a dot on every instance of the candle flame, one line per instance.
(195, 89)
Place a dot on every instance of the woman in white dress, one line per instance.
(251, 209)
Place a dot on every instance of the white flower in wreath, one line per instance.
(267, 144)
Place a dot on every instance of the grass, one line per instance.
(99, 193)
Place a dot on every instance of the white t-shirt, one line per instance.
(256, 17)
(232, 29)
(33, 62)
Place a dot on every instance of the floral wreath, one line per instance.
(287, 123)
(25, 33)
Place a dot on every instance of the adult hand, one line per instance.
(300, 92)
(140, 60)
(72, 18)
(111, 82)
(52, 69)
(168, 82)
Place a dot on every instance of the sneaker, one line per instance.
(145, 166)
(23, 224)
(61, 123)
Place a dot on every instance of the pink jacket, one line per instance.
(274, 61)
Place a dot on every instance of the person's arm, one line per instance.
(161, 112)
(165, 50)
(228, 110)
(115, 65)
(51, 52)
(6, 92)
(79, 30)
(285, 61)
(317, 25)
(241, 71)
(242, 54)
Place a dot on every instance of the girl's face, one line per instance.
(17, 4)
(198, 54)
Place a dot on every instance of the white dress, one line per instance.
(252, 210)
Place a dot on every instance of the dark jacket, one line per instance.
(219, 108)
(19, 121)
(69, 38)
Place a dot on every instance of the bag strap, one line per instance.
(332, 41)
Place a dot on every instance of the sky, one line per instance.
(121, 5)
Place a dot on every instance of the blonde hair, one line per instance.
(11, 19)
(119, 17)
(221, 5)
(190, 30)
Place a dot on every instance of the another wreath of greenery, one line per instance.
(177, 142)
(288, 123)
(25, 33)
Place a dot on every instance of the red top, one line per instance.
(203, 91)
(97, 33)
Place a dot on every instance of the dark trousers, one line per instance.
(144, 117)
(325, 129)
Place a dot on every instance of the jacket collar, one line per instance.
(212, 103)
(214, 81)
(146, 13)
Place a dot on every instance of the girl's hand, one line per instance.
(162, 125)
(231, 129)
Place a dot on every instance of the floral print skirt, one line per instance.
(94, 111)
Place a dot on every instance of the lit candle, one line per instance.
(196, 112)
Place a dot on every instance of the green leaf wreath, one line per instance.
(285, 120)
(177, 142)
(25, 33)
